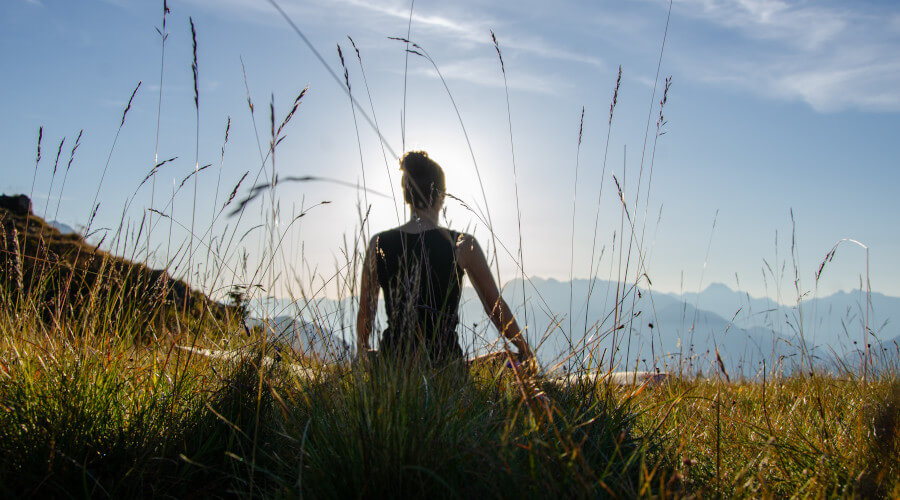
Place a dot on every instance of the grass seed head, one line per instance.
(58, 154)
(40, 138)
(128, 106)
(499, 53)
(194, 67)
(615, 98)
(74, 148)
(581, 126)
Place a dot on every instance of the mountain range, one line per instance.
(658, 331)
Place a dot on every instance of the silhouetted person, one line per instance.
(419, 266)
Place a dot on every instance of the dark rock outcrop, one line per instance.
(18, 205)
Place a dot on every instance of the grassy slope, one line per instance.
(103, 416)
(58, 276)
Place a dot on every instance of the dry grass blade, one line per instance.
(722, 366)
(258, 189)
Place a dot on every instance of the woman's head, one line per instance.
(423, 180)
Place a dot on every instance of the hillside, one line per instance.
(68, 277)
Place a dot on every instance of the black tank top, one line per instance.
(421, 281)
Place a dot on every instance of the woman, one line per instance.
(419, 266)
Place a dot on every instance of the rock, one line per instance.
(17, 204)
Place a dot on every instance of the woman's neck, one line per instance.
(423, 219)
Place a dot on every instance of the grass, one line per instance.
(98, 397)
(100, 416)
(94, 415)
(819, 436)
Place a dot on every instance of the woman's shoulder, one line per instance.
(466, 243)
(462, 237)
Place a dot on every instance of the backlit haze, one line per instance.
(774, 105)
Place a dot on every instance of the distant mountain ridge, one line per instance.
(662, 331)
(838, 319)
(309, 339)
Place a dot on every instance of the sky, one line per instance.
(779, 132)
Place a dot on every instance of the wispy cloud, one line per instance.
(832, 58)
(35, 2)
(831, 55)
(803, 25)
(486, 72)
(477, 32)
(469, 27)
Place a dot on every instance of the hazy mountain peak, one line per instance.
(718, 288)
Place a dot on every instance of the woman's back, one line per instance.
(419, 266)
(421, 280)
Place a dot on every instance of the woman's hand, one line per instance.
(526, 357)
(524, 351)
(368, 299)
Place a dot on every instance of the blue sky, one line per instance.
(775, 106)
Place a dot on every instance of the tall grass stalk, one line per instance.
(362, 163)
(53, 176)
(574, 212)
(512, 151)
(387, 169)
(62, 187)
(112, 148)
(592, 272)
(195, 72)
(420, 51)
(412, 5)
(163, 36)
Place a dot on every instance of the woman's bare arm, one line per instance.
(368, 299)
(471, 259)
